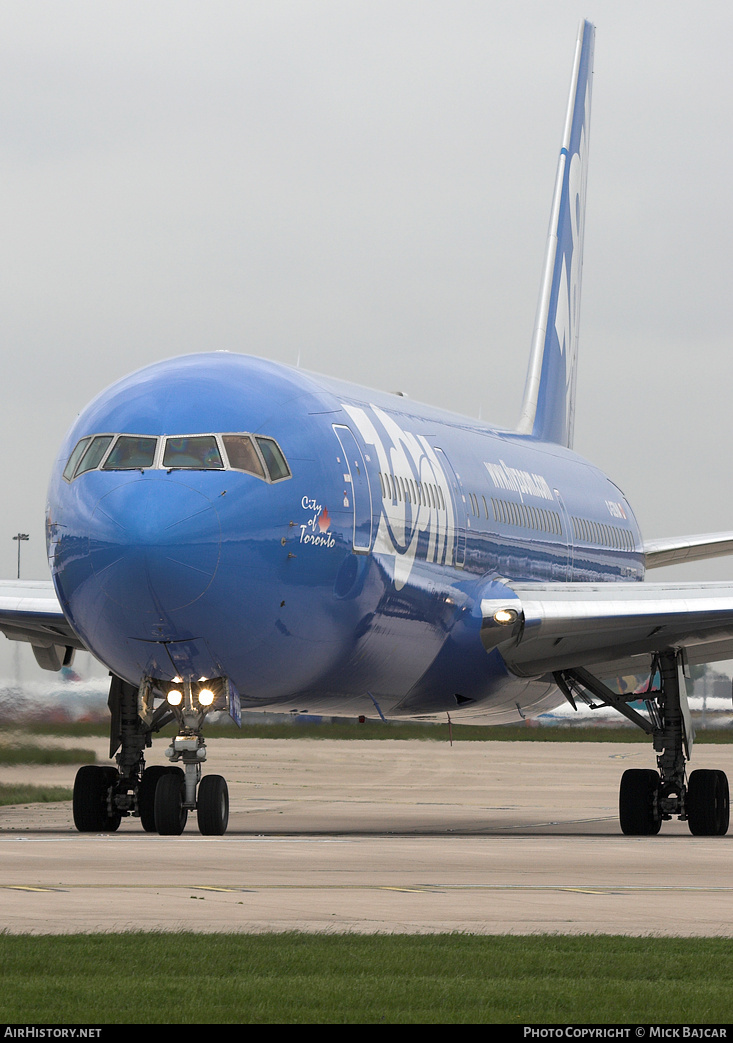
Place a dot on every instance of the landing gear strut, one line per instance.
(647, 797)
(161, 795)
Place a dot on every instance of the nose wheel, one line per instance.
(180, 790)
(212, 806)
(171, 812)
(146, 793)
(708, 803)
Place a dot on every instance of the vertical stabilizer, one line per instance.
(549, 394)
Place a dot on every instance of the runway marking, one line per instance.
(583, 890)
(225, 890)
(553, 822)
(25, 887)
(410, 890)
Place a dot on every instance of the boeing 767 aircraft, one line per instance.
(227, 533)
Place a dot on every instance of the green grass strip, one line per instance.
(402, 730)
(363, 979)
(26, 754)
(12, 793)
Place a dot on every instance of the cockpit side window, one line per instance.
(74, 458)
(274, 459)
(131, 452)
(197, 451)
(243, 455)
(94, 453)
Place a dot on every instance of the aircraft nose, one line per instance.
(154, 539)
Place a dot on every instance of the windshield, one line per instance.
(131, 452)
(200, 451)
(257, 455)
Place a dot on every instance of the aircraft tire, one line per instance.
(212, 806)
(708, 803)
(637, 804)
(146, 792)
(91, 790)
(170, 814)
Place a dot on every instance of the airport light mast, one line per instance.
(20, 538)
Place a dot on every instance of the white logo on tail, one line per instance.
(567, 315)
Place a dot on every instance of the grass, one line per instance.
(23, 753)
(27, 754)
(363, 979)
(396, 730)
(21, 793)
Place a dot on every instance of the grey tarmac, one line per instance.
(378, 837)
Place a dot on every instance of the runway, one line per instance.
(378, 837)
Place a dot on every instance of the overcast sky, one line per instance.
(366, 184)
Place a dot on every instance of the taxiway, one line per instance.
(370, 836)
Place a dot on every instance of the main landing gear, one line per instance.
(648, 797)
(162, 795)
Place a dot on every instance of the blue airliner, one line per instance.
(228, 533)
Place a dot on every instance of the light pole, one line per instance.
(20, 538)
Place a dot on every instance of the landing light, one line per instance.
(206, 697)
(174, 697)
(505, 616)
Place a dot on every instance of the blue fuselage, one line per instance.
(352, 586)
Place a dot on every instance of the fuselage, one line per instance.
(328, 549)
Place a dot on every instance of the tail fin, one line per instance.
(549, 394)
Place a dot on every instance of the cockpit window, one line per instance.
(257, 455)
(274, 459)
(243, 455)
(130, 453)
(94, 453)
(74, 458)
(199, 451)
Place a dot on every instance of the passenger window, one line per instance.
(197, 451)
(274, 459)
(131, 453)
(243, 455)
(93, 456)
(74, 458)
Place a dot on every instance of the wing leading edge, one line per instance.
(545, 627)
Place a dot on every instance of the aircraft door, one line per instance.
(360, 493)
(459, 507)
(566, 570)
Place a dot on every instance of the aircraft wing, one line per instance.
(542, 627)
(677, 549)
(30, 611)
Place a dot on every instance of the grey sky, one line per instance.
(367, 183)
